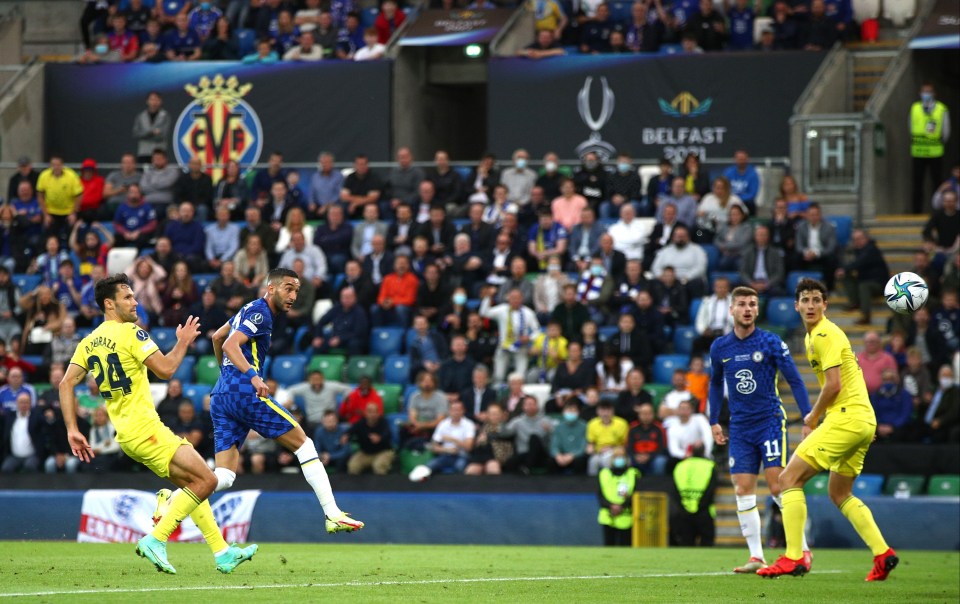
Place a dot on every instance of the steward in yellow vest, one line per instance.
(617, 485)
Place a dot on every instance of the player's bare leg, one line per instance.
(841, 494)
(794, 510)
(296, 441)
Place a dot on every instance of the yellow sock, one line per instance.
(794, 511)
(203, 517)
(181, 507)
(862, 520)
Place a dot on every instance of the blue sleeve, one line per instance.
(754, 184)
(784, 359)
(906, 408)
(715, 394)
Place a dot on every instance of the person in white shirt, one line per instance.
(373, 49)
(629, 234)
(516, 324)
(451, 444)
(714, 318)
(689, 431)
(306, 50)
(20, 423)
(688, 260)
(670, 405)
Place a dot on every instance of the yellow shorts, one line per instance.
(154, 448)
(838, 445)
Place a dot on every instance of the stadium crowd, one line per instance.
(483, 320)
(267, 31)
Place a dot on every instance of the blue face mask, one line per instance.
(597, 270)
(520, 163)
(101, 49)
(623, 167)
(460, 299)
(619, 463)
(926, 97)
(204, 6)
(570, 416)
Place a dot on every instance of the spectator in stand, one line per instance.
(251, 262)
(595, 289)
(687, 259)
(821, 31)
(531, 432)
(117, 182)
(644, 34)
(941, 234)
(543, 47)
(426, 349)
(182, 43)
(21, 437)
(519, 179)
(786, 29)
(188, 238)
(23, 223)
(733, 239)
(518, 280)
(742, 15)
(478, 396)
(451, 444)
(349, 37)
(549, 16)
(595, 33)
(43, 317)
(667, 412)
(584, 240)
(662, 232)
(67, 287)
(151, 128)
(379, 262)
(426, 407)
(455, 373)
(714, 210)
(344, 326)
(372, 50)
(647, 442)
(628, 288)
(388, 21)
(688, 431)
(361, 188)
(943, 415)
(570, 313)
(549, 350)
(135, 221)
(762, 267)
(744, 180)
(548, 289)
(374, 443)
(614, 261)
(893, 406)
(632, 396)
(24, 173)
(232, 192)
(916, 381)
(92, 248)
(326, 185)
(334, 238)
(874, 360)
(629, 234)
(660, 185)
(925, 335)
(231, 293)
(491, 449)
(517, 324)
(783, 233)
(571, 379)
(354, 405)
(568, 443)
(63, 344)
(439, 232)
(10, 295)
(952, 183)
(195, 186)
(481, 234)
(864, 276)
(59, 192)
(398, 295)
(797, 201)
(447, 184)
(688, 44)
(685, 203)
(264, 178)
(623, 186)
(402, 183)
(591, 180)
(264, 53)
(551, 175)
(433, 293)
(605, 433)
(318, 396)
(568, 207)
(92, 197)
(14, 388)
(221, 44)
(947, 319)
(547, 240)
(333, 446)
(670, 298)
(286, 34)
(159, 181)
(315, 263)
(179, 295)
(221, 239)
(47, 265)
(482, 179)
(929, 132)
(709, 26)
(816, 243)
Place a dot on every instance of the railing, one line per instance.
(835, 55)
(21, 71)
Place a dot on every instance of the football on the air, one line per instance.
(905, 293)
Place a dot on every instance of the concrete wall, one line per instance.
(11, 40)
(52, 26)
(21, 120)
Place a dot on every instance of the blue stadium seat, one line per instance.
(463, 171)
(695, 308)
(473, 304)
(396, 421)
(780, 312)
(670, 49)
(368, 17)
(397, 369)
(386, 341)
(34, 359)
(203, 280)
(731, 276)
(844, 226)
(793, 277)
(196, 392)
(713, 256)
(407, 393)
(288, 369)
(606, 332)
(184, 372)
(26, 283)
(665, 364)
(868, 485)
(165, 337)
(246, 41)
(409, 338)
(460, 223)
(683, 337)
(620, 12)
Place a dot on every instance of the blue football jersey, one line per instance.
(749, 367)
(255, 320)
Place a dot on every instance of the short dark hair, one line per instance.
(605, 403)
(276, 275)
(107, 287)
(808, 284)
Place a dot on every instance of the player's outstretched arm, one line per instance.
(218, 339)
(165, 365)
(231, 348)
(68, 406)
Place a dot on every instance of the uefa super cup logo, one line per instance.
(595, 142)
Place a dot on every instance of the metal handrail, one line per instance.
(815, 82)
(885, 87)
(16, 78)
(507, 28)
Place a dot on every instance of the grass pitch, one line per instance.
(283, 572)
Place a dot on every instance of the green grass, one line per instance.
(48, 572)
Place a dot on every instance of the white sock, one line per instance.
(750, 524)
(805, 547)
(222, 552)
(225, 479)
(316, 476)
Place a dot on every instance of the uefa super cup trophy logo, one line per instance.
(595, 143)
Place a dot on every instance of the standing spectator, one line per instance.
(151, 128)
(761, 267)
(821, 32)
(195, 186)
(817, 244)
(388, 21)
(943, 415)
(786, 29)
(865, 275)
(647, 442)
(232, 191)
(59, 192)
(361, 188)
(374, 446)
(941, 234)
(617, 484)
(116, 185)
(893, 406)
(332, 446)
(516, 324)
(624, 186)
(591, 180)
(21, 436)
(182, 43)
(491, 449)
(549, 16)
(568, 208)
(595, 34)
(742, 15)
(448, 186)
(326, 185)
(606, 434)
(344, 326)
(24, 173)
(44, 315)
(709, 26)
(689, 432)
(874, 360)
(744, 180)
(222, 239)
(549, 350)
(531, 432)
(552, 175)
(159, 182)
(584, 240)
(692, 514)
(10, 295)
(929, 132)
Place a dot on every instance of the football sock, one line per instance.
(750, 524)
(806, 547)
(316, 476)
(225, 479)
(203, 518)
(861, 518)
(794, 510)
(180, 507)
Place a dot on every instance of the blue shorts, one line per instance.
(753, 447)
(236, 409)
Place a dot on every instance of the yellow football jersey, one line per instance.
(827, 347)
(114, 353)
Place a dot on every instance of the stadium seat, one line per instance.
(408, 391)
(246, 43)
(330, 365)
(780, 312)
(657, 392)
(368, 17)
(541, 392)
(34, 359)
(302, 338)
(184, 372)
(817, 485)
(208, 372)
(670, 49)
(386, 341)
(606, 332)
(793, 277)
(865, 9)
(732, 276)
(695, 308)
(683, 337)
(409, 459)
(288, 369)
(395, 421)
(844, 226)
(165, 338)
(196, 392)
(203, 280)
(665, 364)
(363, 366)
(158, 390)
(646, 173)
(119, 258)
(390, 393)
(944, 485)
(713, 256)
(26, 283)
(396, 369)
(913, 483)
(868, 485)
(320, 308)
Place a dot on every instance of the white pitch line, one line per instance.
(81, 592)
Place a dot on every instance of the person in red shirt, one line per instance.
(92, 195)
(356, 402)
(647, 443)
(388, 21)
(123, 41)
(398, 296)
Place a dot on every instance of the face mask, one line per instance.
(591, 164)
(553, 268)
(623, 167)
(888, 388)
(619, 463)
(520, 163)
(101, 49)
(926, 97)
(946, 382)
(570, 416)
(204, 6)
(550, 166)
(460, 299)
(597, 270)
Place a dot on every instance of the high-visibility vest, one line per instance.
(926, 130)
(616, 489)
(692, 477)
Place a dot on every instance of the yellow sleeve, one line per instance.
(592, 431)
(139, 343)
(828, 346)
(79, 357)
(42, 181)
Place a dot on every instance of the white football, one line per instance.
(905, 293)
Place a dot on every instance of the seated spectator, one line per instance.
(893, 406)
(684, 202)
(221, 44)
(688, 432)
(941, 233)
(182, 43)
(135, 221)
(943, 415)
(491, 448)
(438, 231)
(365, 232)
(264, 53)
(353, 406)
(696, 182)
(584, 240)
(569, 312)
(333, 446)
(816, 244)
(179, 295)
(251, 262)
(873, 361)
(90, 244)
(568, 443)
(100, 52)
(714, 318)
(591, 179)
(427, 349)
(373, 439)
(318, 395)
(571, 379)
(334, 238)
(595, 34)
(517, 280)
(531, 432)
(516, 324)
(401, 231)
(647, 442)
(21, 437)
(632, 396)
(325, 187)
(355, 278)
(548, 288)
(612, 370)
(633, 343)
(797, 201)
(466, 266)
(709, 26)
(670, 298)
(519, 179)
(231, 294)
(744, 180)
(343, 327)
(644, 34)
(547, 240)
(568, 207)
(447, 183)
(372, 50)
(549, 350)
(688, 260)
(254, 225)
(761, 267)
(623, 186)
(10, 296)
(482, 342)
(549, 17)
(92, 197)
(478, 396)
(670, 405)
(663, 231)
(947, 319)
(605, 433)
(451, 444)
(691, 515)
(455, 373)
(629, 234)
(47, 264)
(67, 287)
(865, 275)
(43, 317)
(221, 239)
(187, 425)
(186, 235)
(483, 178)
(425, 409)
(64, 343)
(733, 239)
(360, 189)
(315, 263)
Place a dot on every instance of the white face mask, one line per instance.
(946, 382)
(550, 166)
